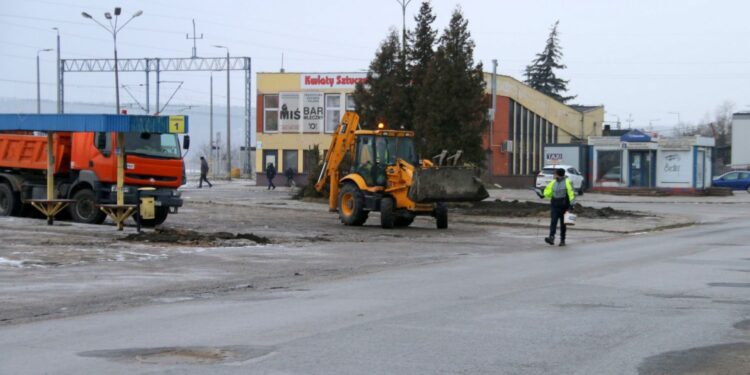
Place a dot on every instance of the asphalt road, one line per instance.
(673, 302)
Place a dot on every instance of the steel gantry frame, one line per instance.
(159, 65)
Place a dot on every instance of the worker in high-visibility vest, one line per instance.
(560, 193)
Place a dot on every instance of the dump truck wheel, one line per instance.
(10, 204)
(387, 216)
(441, 216)
(84, 209)
(580, 191)
(351, 205)
(404, 220)
(160, 216)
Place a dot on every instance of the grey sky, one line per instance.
(647, 58)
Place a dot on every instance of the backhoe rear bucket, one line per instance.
(446, 184)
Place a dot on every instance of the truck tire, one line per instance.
(441, 216)
(404, 220)
(10, 203)
(351, 205)
(387, 216)
(580, 191)
(84, 209)
(160, 216)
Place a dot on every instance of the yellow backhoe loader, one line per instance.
(382, 172)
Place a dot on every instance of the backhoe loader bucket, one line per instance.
(446, 184)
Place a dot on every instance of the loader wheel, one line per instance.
(10, 204)
(352, 205)
(387, 216)
(160, 217)
(403, 221)
(84, 209)
(441, 216)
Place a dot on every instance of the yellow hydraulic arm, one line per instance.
(342, 141)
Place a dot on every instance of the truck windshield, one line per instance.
(153, 145)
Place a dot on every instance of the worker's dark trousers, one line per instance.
(270, 184)
(558, 214)
(204, 178)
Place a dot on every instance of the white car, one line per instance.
(548, 172)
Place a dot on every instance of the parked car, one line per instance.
(547, 174)
(737, 180)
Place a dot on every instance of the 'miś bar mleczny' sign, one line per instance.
(332, 80)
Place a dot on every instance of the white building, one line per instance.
(740, 133)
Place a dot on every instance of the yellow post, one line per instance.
(120, 168)
(50, 168)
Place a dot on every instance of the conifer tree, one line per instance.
(422, 47)
(385, 96)
(451, 108)
(540, 74)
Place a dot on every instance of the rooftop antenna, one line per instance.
(194, 38)
(629, 120)
(282, 62)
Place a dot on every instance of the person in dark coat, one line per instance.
(289, 174)
(270, 174)
(204, 174)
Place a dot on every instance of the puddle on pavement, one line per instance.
(675, 296)
(730, 285)
(726, 359)
(743, 325)
(186, 355)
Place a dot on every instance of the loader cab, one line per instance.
(376, 150)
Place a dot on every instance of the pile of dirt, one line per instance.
(531, 209)
(189, 237)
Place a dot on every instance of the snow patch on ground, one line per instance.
(10, 262)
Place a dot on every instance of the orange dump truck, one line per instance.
(86, 171)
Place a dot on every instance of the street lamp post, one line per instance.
(38, 89)
(114, 29)
(59, 72)
(229, 134)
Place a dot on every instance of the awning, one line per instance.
(93, 123)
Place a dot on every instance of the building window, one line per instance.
(350, 107)
(609, 166)
(309, 159)
(511, 115)
(290, 160)
(269, 157)
(333, 112)
(270, 113)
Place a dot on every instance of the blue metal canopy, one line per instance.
(635, 135)
(93, 123)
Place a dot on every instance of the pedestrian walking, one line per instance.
(204, 174)
(289, 174)
(270, 174)
(560, 193)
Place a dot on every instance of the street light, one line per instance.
(678, 116)
(38, 90)
(229, 136)
(59, 72)
(114, 29)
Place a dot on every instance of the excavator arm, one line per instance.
(342, 141)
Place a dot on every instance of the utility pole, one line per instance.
(229, 134)
(58, 70)
(38, 89)
(629, 120)
(404, 4)
(211, 124)
(194, 38)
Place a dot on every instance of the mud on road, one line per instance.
(230, 239)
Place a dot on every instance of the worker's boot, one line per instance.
(562, 241)
(550, 240)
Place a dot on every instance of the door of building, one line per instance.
(269, 156)
(700, 166)
(641, 168)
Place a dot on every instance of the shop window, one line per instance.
(290, 160)
(333, 112)
(309, 159)
(609, 166)
(269, 157)
(270, 113)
